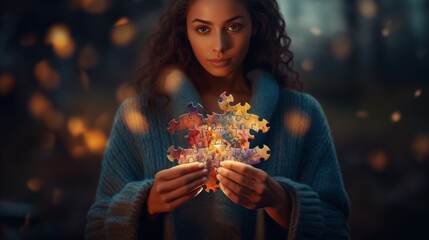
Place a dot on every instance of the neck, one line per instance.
(233, 83)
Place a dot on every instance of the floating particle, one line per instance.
(396, 116)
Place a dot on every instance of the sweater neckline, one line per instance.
(265, 94)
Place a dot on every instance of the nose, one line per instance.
(220, 42)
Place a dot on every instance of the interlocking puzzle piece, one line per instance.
(219, 137)
(187, 121)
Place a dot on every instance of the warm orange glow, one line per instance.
(420, 147)
(367, 8)
(137, 122)
(35, 184)
(95, 140)
(396, 116)
(88, 57)
(124, 91)
(417, 93)
(39, 105)
(341, 47)
(60, 38)
(123, 34)
(385, 32)
(362, 114)
(121, 21)
(47, 77)
(297, 122)
(95, 6)
(170, 80)
(76, 126)
(7, 83)
(307, 65)
(377, 160)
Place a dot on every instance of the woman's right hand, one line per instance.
(175, 186)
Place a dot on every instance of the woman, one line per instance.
(201, 49)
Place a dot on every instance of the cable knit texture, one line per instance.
(303, 161)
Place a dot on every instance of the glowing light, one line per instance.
(124, 91)
(7, 83)
(35, 184)
(121, 35)
(137, 122)
(315, 31)
(396, 116)
(88, 57)
(341, 47)
(60, 38)
(170, 80)
(385, 32)
(417, 93)
(307, 65)
(95, 140)
(28, 40)
(121, 21)
(39, 105)
(95, 6)
(377, 160)
(296, 122)
(362, 114)
(367, 8)
(76, 126)
(47, 77)
(420, 147)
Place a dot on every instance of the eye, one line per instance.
(202, 29)
(233, 27)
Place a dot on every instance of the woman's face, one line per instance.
(219, 32)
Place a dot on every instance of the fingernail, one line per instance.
(219, 170)
(219, 177)
(201, 165)
(205, 171)
(222, 164)
(204, 179)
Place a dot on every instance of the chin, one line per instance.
(220, 72)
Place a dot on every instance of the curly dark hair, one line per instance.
(268, 50)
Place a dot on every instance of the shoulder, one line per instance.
(294, 99)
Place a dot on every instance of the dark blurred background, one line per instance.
(64, 69)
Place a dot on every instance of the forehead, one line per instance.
(213, 10)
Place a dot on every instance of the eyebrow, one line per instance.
(209, 23)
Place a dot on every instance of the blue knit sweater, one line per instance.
(303, 161)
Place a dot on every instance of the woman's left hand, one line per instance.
(248, 186)
(253, 188)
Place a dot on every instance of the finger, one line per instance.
(245, 169)
(236, 198)
(238, 178)
(239, 190)
(182, 200)
(179, 170)
(181, 181)
(182, 191)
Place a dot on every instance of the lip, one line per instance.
(220, 62)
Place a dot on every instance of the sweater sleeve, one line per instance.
(320, 206)
(122, 189)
